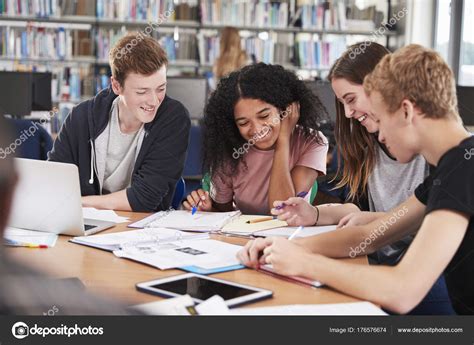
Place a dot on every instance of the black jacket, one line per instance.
(160, 161)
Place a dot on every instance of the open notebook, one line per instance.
(184, 220)
(168, 248)
(117, 240)
(240, 227)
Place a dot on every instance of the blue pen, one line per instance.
(299, 195)
(195, 208)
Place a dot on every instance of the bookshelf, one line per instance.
(71, 38)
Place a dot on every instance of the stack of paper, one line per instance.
(105, 215)
(184, 220)
(28, 238)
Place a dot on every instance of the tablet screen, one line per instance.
(203, 289)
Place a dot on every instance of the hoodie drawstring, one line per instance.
(91, 180)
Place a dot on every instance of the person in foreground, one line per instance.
(413, 98)
(24, 291)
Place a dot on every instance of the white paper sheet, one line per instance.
(356, 308)
(205, 253)
(171, 306)
(30, 237)
(305, 232)
(105, 215)
(184, 220)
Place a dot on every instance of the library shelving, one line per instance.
(71, 38)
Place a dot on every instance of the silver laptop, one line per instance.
(48, 198)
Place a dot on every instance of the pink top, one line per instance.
(249, 188)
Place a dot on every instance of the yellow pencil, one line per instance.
(258, 220)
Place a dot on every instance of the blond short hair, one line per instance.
(418, 74)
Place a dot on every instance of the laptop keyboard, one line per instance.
(88, 227)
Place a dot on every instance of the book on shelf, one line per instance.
(147, 10)
(178, 44)
(260, 13)
(208, 46)
(273, 48)
(38, 42)
(77, 7)
(37, 8)
(315, 53)
(183, 48)
(336, 15)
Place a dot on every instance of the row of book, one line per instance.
(74, 84)
(36, 42)
(148, 10)
(37, 8)
(337, 15)
(260, 13)
(276, 48)
(178, 45)
(314, 53)
(47, 8)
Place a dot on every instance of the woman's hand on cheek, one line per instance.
(289, 119)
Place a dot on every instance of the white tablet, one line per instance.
(200, 288)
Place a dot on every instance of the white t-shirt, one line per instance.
(121, 154)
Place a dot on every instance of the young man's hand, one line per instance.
(296, 212)
(287, 257)
(359, 218)
(251, 254)
(199, 198)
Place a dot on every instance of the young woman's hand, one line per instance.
(251, 254)
(200, 197)
(358, 218)
(288, 123)
(287, 257)
(296, 212)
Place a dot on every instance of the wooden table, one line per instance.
(105, 274)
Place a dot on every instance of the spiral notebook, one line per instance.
(184, 220)
(168, 248)
(117, 240)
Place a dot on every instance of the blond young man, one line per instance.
(130, 141)
(413, 97)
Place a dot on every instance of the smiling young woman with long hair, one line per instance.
(261, 140)
(377, 182)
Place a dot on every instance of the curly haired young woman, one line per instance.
(261, 141)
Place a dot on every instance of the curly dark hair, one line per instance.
(269, 83)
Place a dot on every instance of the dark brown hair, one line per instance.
(137, 53)
(355, 144)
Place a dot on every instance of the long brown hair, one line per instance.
(355, 144)
(231, 55)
